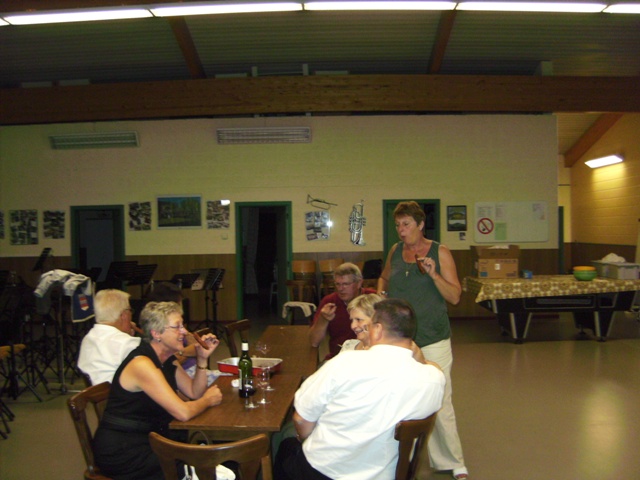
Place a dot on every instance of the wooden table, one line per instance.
(230, 420)
(514, 301)
(291, 344)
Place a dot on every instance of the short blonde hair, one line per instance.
(348, 269)
(365, 303)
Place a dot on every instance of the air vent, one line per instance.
(230, 136)
(95, 140)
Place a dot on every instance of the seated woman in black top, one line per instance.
(143, 396)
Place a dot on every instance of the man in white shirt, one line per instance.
(347, 411)
(111, 339)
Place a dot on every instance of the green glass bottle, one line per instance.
(245, 366)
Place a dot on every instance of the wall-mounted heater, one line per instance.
(95, 140)
(230, 136)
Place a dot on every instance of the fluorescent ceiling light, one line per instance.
(604, 161)
(3, 23)
(213, 8)
(623, 8)
(64, 16)
(567, 7)
(365, 5)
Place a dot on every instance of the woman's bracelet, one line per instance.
(201, 368)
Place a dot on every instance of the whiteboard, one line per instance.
(512, 222)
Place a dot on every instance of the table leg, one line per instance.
(517, 323)
(599, 321)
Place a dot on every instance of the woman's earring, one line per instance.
(158, 339)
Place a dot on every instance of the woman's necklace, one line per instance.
(408, 266)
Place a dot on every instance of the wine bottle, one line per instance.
(245, 365)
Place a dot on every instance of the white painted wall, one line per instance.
(461, 160)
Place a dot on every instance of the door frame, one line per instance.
(118, 230)
(285, 254)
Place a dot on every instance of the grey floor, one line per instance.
(559, 406)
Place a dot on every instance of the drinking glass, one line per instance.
(263, 382)
(262, 347)
(246, 391)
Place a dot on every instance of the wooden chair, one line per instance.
(97, 396)
(232, 330)
(412, 435)
(327, 267)
(252, 455)
(303, 287)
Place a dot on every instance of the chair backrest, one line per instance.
(412, 435)
(232, 330)
(252, 455)
(97, 396)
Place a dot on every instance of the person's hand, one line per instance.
(328, 312)
(429, 265)
(213, 396)
(210, 340)
(135, 329)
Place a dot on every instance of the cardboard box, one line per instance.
(617, 270)
(489, 262)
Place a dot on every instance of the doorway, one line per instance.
(97, 237)
(263, 255)
(431, 210)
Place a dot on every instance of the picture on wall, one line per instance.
(317, 225)
(457, 218)
(140, 216)
(53, 223)
(218, 214)
(180, 211)
(24, 227)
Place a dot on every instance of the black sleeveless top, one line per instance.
(136, 411)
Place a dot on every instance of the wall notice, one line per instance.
(511, 222)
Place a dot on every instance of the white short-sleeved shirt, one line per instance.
(357, 398)
(102, 351)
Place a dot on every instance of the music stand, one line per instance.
(185, 280)
(46, 253)
(210, 283)
(142, 275)
(119, 274)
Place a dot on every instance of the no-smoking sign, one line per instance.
(485, 226)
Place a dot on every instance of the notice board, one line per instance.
(511, 222)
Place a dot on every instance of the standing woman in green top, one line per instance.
(423, 272)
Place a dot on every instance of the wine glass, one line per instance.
(262, 381)
(262, 347)
(246, 391)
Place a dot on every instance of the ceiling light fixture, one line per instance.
(221, 8)
(64, 16)
(623, 8)
(555, 7)
(604, 161)
(366, 5)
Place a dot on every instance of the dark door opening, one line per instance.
(263, 246)
(97, 237)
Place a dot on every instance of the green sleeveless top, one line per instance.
(419, 290)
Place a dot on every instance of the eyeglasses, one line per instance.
(343, 284)
(129, 309)
(177, 327)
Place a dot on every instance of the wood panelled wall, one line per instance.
(540, 261)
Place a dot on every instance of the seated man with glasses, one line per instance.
(332, 316)
(144, 395)
(111, 339)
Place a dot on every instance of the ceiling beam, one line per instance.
(590, 137)
(320, 94)
(185, 42)
(445, 26)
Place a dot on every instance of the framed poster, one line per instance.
(457, 218)
(180, 211)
